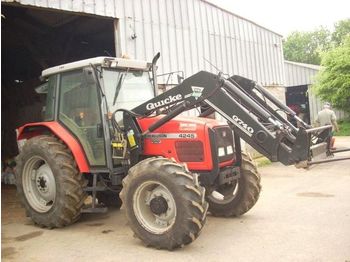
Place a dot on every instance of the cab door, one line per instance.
(79, 111)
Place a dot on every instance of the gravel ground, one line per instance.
(302, 215)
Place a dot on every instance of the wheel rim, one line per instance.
(154, 207)
(39, 184)
(225, 193)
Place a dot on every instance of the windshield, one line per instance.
(126, 89)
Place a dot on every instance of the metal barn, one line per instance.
(298, 80)
(185, 32)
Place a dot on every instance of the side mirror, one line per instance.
(179, 79)
(88, 77)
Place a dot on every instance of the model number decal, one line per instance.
(243, 124)
(189, 135)
(172, 135)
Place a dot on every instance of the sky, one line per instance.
(284, 17)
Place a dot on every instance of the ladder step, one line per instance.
(97, 188)
(95, 210)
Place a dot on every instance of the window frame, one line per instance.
(95, 168)
(52, 118)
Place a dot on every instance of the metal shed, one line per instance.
(186, 33)
(299, 75)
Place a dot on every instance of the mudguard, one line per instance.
(30, 130)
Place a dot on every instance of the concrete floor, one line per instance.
(302, 215)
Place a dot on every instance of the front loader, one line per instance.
(108, 135)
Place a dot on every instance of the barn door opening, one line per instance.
(297, 98)
(32, 40)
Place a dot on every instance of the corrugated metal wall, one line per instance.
(187, 32)
(298, 74)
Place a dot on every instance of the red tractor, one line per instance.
(106, 133)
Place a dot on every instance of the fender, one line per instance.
(34, 129)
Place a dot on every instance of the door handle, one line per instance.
(99, 130)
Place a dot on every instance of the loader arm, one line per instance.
(249, 110)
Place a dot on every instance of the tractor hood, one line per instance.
(180, 123)
(189, 140)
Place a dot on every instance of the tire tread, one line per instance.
(70, 200)
(192, 195)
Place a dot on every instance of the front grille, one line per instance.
(224, 143)
(190, 151)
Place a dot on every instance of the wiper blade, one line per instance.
(117, 88)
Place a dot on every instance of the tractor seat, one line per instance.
(84, 116)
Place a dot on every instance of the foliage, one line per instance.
(333, 81)
(262, 161)
(306, 47)
(344, 128)
(341, 30)
(332, 51)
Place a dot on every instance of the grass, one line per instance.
(344, 126)
(262, 161)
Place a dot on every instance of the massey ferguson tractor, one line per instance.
(107, 133)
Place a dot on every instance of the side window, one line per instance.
(50, 98)
(79, 111)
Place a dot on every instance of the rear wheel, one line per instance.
(164, 203)
(48, 182)
(237, 198)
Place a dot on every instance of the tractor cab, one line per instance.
(88, 91)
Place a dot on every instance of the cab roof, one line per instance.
(110, 62)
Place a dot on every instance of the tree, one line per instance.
(341, 30)
(333, 81)
(306, 47)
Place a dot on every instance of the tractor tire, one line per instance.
(109, 199)
(238, 197)
(164, 203)
(49, 184)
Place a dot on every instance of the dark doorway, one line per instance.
(33, 40)
(297, 99)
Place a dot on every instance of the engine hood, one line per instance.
(180, 123)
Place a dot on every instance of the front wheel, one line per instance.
(164, 203)
(235, 199)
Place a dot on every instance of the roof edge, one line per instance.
(100, 60)
(311, 66)
(241, 17)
